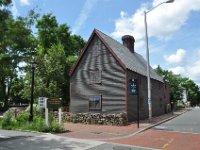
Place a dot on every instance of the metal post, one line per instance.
(32, 91)
(148, 69)
(147, 53)
(138, 112)
(60, 115)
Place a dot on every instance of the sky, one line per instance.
(173, 28)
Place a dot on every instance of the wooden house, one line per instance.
(101, 79)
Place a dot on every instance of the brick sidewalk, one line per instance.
(104, 132)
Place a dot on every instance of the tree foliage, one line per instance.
(16, 44)
(56, 52)
(54, 47)
(5, 2)
(177, 84)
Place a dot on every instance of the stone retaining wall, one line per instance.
(97, 118)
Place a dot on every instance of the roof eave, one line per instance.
(82, 52)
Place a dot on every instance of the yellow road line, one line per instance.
(167, 144)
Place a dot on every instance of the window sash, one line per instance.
(95, 51)
(95, 76)
(95, 102)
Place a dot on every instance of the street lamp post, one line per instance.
(33, 66)
(147, 55)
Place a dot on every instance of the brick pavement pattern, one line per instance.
(105, 132)
(158, 139)
(163, 140)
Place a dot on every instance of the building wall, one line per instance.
(112, 87)
(159, 100)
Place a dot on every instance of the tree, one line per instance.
(54, 49)
(52, 71)
(56, 52)
(16, 91)
(177, 83)
(14, 48)
(5, 2)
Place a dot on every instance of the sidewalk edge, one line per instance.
(144, 129)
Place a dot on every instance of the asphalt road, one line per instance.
(17, 140)
(188, 122)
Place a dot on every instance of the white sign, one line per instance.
(42, 102)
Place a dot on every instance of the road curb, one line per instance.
(158, 123)
(144, 129)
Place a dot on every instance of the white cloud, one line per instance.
(155, 66)
(14, 9)
(178, 70)
(194, 70)
(83, 16)
(162, 21)
(176, 58)
(191, 69)
(25, 2)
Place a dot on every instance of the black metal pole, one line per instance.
(138, 107)
(32, 90)
(138, 114)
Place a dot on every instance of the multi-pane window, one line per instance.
(95, 50)
(95, 76)
(95, 102)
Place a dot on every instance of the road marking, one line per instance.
(179, 132)
(164, 146)
(2, 136)
(133, 146)
(167, 144)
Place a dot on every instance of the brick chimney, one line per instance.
(128, 41)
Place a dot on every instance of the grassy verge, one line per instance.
(38, 124)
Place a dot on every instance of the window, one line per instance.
(95, 76)
(95, 50)
(95, 102)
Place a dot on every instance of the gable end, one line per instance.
(85, 48)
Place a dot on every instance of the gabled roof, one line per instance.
(128, 60)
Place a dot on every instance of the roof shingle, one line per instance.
(132, 61)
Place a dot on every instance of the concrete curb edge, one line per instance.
(158, 123)
(144, 129)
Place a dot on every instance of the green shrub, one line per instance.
(38, 124)
(74, 120)
(51, 119)
(7, 121)
(22, 118)
(55, 128)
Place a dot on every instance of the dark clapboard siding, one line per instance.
(132, 99)
(112, 87)
(159, 103)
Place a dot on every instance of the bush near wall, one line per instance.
(97, 118)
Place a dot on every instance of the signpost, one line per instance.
(133, 88)
(42, 102)
(50, 103)
(53, 103)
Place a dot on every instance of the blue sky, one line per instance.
(173, 29)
